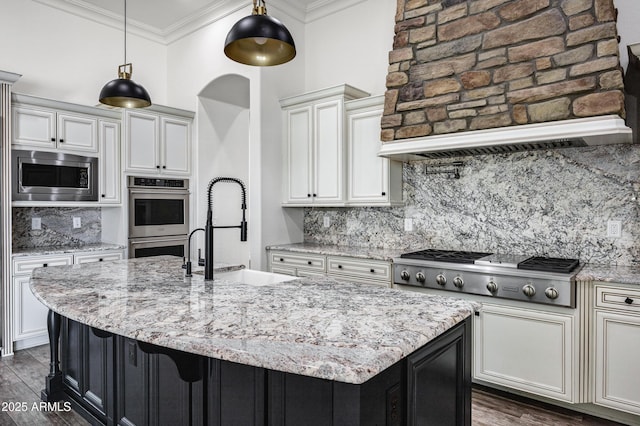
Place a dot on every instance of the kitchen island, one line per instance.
(142, 344)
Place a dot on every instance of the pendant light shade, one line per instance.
(259, 39)
(124, 92)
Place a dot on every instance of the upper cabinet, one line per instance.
(158, 142)
(332, 137)
(50, 129)
(372, 180)
(110, 172)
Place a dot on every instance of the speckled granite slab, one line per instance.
(612, 274)
(317, 327)
(337, 250)
(41, 251)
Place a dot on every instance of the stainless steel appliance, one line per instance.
(158, 216)
(543, 280)
(158, 207)
(158, 246)
(53, 176)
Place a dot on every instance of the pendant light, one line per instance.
(124, 92)
(259, 39)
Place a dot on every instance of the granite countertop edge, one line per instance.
(589, 272)
(53, 250)
(318, 327)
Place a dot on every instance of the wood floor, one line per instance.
(22, 378)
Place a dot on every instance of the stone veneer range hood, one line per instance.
(601, 130)
(488, 76)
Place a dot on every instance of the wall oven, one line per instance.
(53, 176)
(158, 216)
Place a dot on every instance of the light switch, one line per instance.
(77, 222)
(326, 221)
(36, 223)
(408, 224)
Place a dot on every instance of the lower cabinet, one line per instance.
(359, 270)
(526, 349)
(113, 380)
(617, 345)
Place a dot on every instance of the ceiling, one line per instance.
(169, 20)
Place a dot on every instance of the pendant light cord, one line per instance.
(125, 31)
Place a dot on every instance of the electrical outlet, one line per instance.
(36, 223)
(77, 222)
(326, 221)
(614, 228)
(408, 224)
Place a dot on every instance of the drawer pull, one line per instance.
(100, 260)
(309, 262)
(372, 270)
(628, 300)
(281, 260)
(339, 266)
(44, 265)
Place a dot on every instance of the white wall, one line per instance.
(64, 57)
(628, 18)
(351, 46)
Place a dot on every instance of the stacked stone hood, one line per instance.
(481, 76)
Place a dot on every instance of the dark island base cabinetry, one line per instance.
(114, 380)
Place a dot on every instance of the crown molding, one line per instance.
(215, 11)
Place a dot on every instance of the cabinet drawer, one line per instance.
(627, 300)
(359, 268)
(25, 266)
(302, 261)
(97, 257)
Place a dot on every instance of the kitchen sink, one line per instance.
(253, 277)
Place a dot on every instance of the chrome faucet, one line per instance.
(208, 228)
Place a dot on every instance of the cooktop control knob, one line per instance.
(529, 290)
(551, 293)
(404, 275)
(420, 277)
(492, 286)
(441, 279)
(458, 282)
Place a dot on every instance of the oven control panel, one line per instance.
(559, 292)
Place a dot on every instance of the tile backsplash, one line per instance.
(56, 226)
(555, 203)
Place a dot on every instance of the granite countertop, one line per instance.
(318, 327)
(41, 251)
(336, 250)
(606, 273)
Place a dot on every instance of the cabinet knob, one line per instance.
(309, 195)
(281, 260)
(384, 193)
(61, 140)
(339, 266)
(164, 167)
(100, 260)
(309, 262)
(103, 196)
(157, 167)
(314, 195)
(628, 300)
(44, 265)
(372, 270)
(53, 139)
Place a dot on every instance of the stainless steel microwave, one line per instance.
(53, 176)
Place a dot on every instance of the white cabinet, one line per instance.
(314, 150)
(617, 347)
(371, 180)
(358, 270)
(157, 143)
(44, 128)
(109, 164)
(526, 349)
(29, 314)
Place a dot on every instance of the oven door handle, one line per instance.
(158, 191)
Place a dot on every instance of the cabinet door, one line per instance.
(175, 146)
(617, 368)
(368, 173)
(77, 133)
(142, 142)
(30, 315)
(34, 127)
(328, 152)
(298, 156)
(109, 162)
(523, 349)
